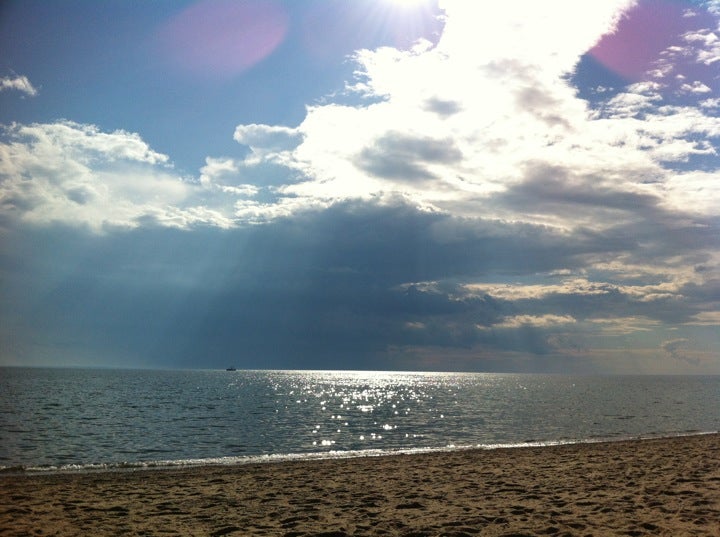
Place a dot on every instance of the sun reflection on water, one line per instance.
(352, 410)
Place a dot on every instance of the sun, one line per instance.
(407, 22)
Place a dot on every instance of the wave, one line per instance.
(310, 456)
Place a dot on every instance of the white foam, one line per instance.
(311, 456)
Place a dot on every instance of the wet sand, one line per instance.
(644, 487)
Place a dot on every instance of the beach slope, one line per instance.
(644, 487)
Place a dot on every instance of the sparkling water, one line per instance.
(92, 418)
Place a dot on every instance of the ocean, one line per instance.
(85, 419)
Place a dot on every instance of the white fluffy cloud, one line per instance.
(18, 83)
(449, 127)
(486, 123)
(267, 140)
(77, 175)
(461, 128)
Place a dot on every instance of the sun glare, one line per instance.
(407, 3)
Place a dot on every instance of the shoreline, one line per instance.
(244, 460)
(659, 486)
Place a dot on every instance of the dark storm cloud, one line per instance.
(698, 298)
(335, 288)
(708, 291)
(307, 291)
(631, 221)
(403, 157)
(400, 244)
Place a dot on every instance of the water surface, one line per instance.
(82, 417)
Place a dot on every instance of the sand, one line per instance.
(643, 487)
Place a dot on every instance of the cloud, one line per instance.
(675, 348)
(266, 140)
(517, 321)
(706, 318)
(407, 158)
(442, 108)
(620, 326)
(575, 287)
(75, 174)
(460, 199)
(226, 175)
(558, 192)
(473, 145)
(18, 83)
(368, 284)
(500, 132)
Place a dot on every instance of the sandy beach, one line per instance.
(644, 487)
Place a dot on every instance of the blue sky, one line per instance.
(379, 184)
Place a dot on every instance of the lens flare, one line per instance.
(222, 38)
(644, 37)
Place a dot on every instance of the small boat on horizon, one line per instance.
(231, 369)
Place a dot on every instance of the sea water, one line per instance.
(93, 418)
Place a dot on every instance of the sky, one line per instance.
(515, 186)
